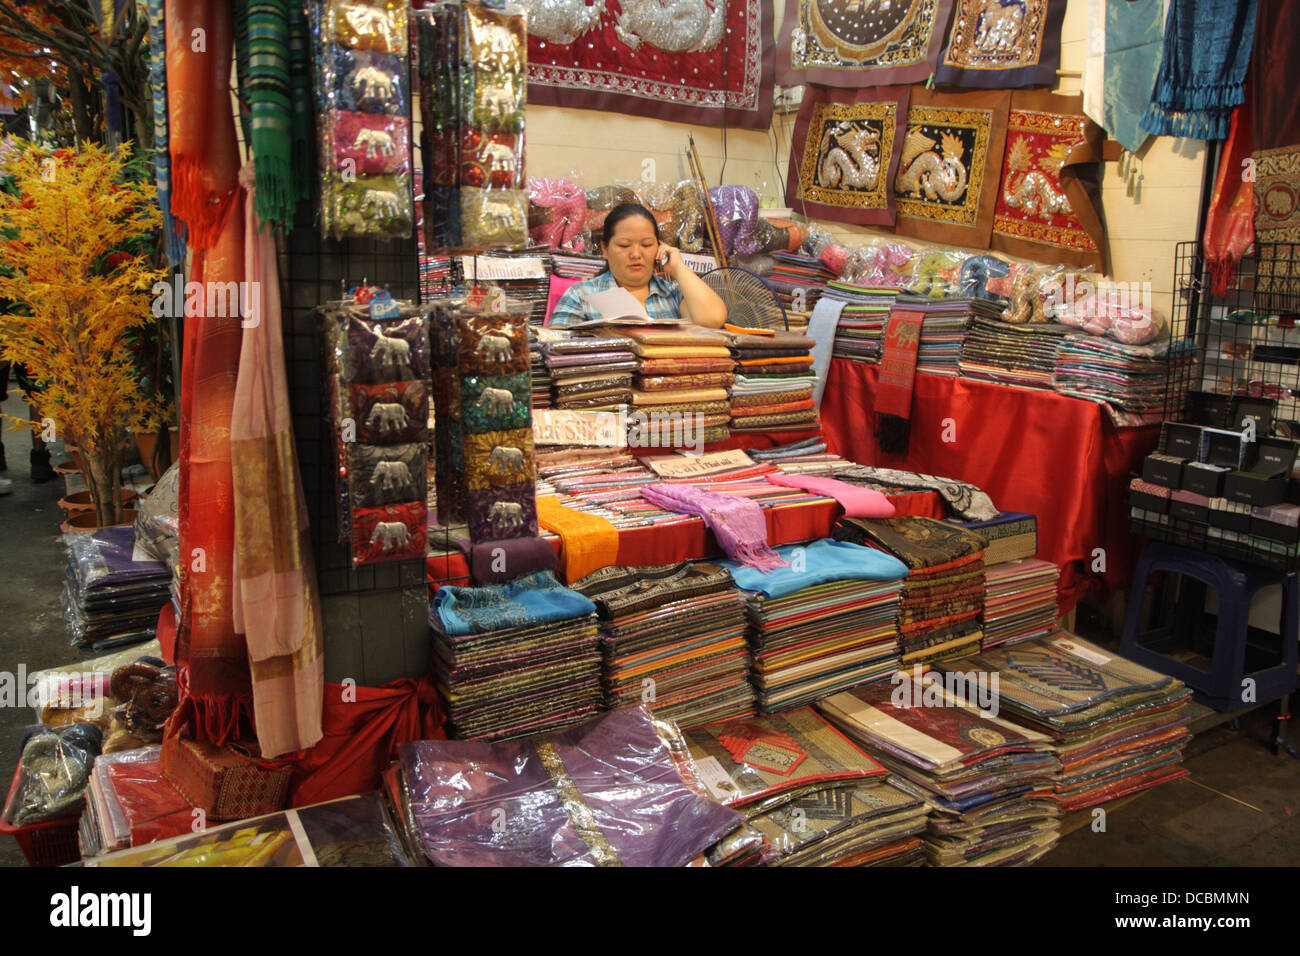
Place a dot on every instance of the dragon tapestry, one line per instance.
(948, 166)
(857, 43)
(845, 153)
(1047, 197)
(1001, 44)
(704, 62)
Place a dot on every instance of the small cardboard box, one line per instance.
(1223, 447)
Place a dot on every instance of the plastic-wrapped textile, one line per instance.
(390, 413)
(157, 528)
(566, 206)
(380, 475)
(389, 533)
(365, 25)
(53, 771)
(736, 210)
(606, 793)
(438, 36)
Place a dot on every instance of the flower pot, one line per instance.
(82, 503)
(146, 443)
(87, 521)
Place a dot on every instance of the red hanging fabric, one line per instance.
(1230, 222)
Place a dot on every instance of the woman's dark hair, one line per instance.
(625, 210)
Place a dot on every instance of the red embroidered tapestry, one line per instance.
(704, 62)
(1046, 206)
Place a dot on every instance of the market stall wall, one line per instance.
(1142, 226)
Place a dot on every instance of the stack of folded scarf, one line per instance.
(988, 783)
(862, 318)
(774, 382)
(943, 329)
(799, 282)
(942, 602)
(1138, 384)
(539, 374)
(998, 351)
(1117, 727)
(515, 659)
(680, 395)
(1019, 601)
(672, 638)
(826, 622)
(817, 798)
(591, 372)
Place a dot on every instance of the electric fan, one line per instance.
(751, 302)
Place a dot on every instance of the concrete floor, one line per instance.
(1239, 807)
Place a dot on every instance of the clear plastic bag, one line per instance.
(53, 772)
(157, 530)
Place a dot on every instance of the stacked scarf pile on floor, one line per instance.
(942, 603)
(1117, 727)
(774, 382)
(1019, 601)
(1202, 68)
(672, 637)
(681, 389)
(825, 622)
(816, 797)
(590, 372)
(515, 659)
(988, 783)
(737, 523)
(798, 281)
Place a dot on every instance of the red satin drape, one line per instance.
(1058, 458)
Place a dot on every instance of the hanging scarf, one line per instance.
(897, 375)
(300, 95)
(276, 604)
(173, 231)
(737, 523)
(263, 41)
(1230, 221)
(1202, 68)
(205, 157)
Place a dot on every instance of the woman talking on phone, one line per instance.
(652, 271)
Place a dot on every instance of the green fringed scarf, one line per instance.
(262, 43)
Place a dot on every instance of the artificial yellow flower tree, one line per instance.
(72, 212)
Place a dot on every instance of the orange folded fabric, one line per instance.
(587, 542)
(739, 411)
(785, 360)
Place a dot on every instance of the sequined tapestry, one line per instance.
(845, 154)
(1045, 208)
(948, 168)
(999, 44)
(707, 62)
(857, 43)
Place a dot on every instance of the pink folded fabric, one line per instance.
(857, 502)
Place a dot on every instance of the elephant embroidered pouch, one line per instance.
(492, 160)
(370, 143)
(498, 459)
(390, 533)
(367, 81)
(947, 176)
(509, 512)
(392, 413)
(860, 43)
(386, 474)
(495, 402)
(845, 154)
(1002, 44)
(385, 351)
(367, 206)
(491, 343)
(1048, 200)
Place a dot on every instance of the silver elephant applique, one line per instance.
(390, 534)
(390, 353)
(674, 26)
(495, 348)
(381, 202)
(387, 417)
(496, 401)
(562, 21)
(391, 479)
(505, 458)
(375, 142)
(371, 83)
(509, 513)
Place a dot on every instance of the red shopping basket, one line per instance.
(48, 843)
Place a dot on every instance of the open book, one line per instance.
(619, 307)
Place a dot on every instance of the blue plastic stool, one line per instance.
(1237, 585)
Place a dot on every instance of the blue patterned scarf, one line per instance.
(173, 231)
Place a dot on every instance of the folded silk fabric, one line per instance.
(776, 408)
(780, 340)
(681, 351)
(786, 361)
(535, 598)
(821, 562)
(737, 523)
(686, 366)
(964, 500)
(496, 562)
(857, 502)
(678, 396)
(748, 353)
(917, 542)
(746, 399)
(652, 383)
(606, 793)
(688, 336)
(589, 541)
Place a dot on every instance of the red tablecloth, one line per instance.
(1031, 450)
(691, 540)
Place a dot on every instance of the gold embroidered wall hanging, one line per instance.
(845, 154)
(857, 43)
(947, 171)
(1000, 44)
